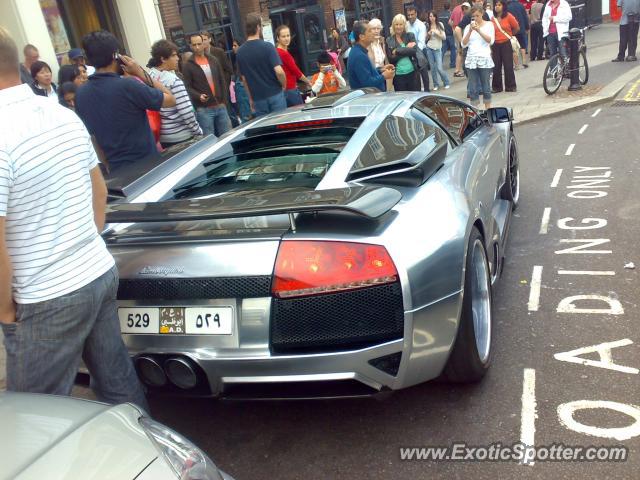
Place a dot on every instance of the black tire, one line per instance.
(465, 364)
(512, 181)
(583, 68)
(553, 75)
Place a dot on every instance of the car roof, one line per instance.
(356, 103)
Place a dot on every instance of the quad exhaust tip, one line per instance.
(180, 373)
(158, 373)
(150, 371)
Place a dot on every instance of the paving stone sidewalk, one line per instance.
(530, 102)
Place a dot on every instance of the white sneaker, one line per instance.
(447, 87)
(435, 89)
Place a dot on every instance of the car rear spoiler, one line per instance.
(365, 201)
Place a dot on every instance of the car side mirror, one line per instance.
(500, 115)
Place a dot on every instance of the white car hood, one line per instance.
(45, 436)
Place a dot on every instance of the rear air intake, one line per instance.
(337, 321)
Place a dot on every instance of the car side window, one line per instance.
(460, 120)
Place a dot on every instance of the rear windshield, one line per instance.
(268, 159)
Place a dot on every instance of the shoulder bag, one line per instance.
(515, 44)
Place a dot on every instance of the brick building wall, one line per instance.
(248, 6)
(170, 15)
(329, 7)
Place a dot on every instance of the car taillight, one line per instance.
(314, 267)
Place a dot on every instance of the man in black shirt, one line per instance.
(114, 109)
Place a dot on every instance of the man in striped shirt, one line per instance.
(58, 282)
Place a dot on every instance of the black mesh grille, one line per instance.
(194, 288)
(337, 321)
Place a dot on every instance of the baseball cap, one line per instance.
(466, 4)
(75, 53)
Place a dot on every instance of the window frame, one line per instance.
(429, 112)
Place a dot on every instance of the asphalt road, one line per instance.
(353, 439)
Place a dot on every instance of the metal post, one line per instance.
(574, 40)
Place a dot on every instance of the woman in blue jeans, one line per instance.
(478, 37)
(435, 36)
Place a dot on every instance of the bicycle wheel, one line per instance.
(553, 75)
(583, 68)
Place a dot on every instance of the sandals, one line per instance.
(458, 74)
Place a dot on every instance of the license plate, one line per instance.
(177, 320)
(139, 320)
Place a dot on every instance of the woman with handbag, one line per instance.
(506, 27)
(402, 53)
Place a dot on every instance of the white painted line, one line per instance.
(544, 225)
(528, 416)
(584, 127)
(570, 149)
(556, 178)
(534, 292)
(595, 114)
(586, 272)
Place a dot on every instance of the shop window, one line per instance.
(371, 9)
(211, 15)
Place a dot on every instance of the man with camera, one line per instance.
(114, 109)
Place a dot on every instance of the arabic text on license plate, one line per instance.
(209, 320)
(138, 320)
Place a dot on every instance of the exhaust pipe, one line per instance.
(181, 373)
(150, 371)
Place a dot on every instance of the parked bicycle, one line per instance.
(558, 68)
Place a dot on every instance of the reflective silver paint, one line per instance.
(426, 235)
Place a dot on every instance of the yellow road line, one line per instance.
(633, 95)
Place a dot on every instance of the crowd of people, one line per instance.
(205, 91)
(486, 43)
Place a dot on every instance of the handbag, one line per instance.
(515, 44)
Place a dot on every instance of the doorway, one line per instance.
(85, 16)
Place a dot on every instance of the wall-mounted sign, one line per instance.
(267, 31)
(341, 20)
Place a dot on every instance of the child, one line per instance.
(328, 79)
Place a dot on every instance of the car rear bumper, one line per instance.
(253, 371)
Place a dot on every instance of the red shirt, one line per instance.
(552, 25)
(526, 4)
(290, 68)
(456, 15)
(508, 24)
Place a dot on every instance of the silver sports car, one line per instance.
(344, 247)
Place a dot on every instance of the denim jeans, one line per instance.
(45, 344)
(435, 62)
(213, 120)
(555, 45)
(450, 45)
(480, 83)
(293, 97)
(243, 106)
(272, 104)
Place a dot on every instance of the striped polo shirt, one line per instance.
(46, 198)
(179, 122)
